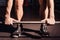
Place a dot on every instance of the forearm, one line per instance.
(46, 10)
(8, 8)
(51, 8)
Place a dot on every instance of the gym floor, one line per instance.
(31, 32)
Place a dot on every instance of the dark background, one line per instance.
(30, 10)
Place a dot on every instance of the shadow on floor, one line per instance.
(10, 29)
(7, 28)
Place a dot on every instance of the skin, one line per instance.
(51, 19)
(47, 10)
(19, 11)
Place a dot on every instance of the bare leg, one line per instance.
(19, 9)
